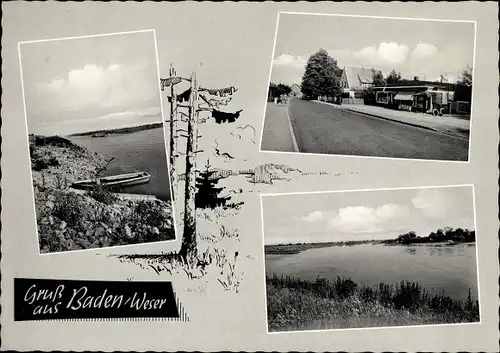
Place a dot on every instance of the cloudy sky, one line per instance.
(90, 83)
(360, 215)
(426, 49)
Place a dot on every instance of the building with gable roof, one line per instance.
(355, 79)
(296, 91)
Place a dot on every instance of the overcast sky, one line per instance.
(426, 49)
(363, 215)
(90, 83)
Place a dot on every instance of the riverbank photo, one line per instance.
(96, 139)
(370, 258)
(370, 87)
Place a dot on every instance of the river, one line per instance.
(437, 267)
(132, 152)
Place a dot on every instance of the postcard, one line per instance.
(249, 176)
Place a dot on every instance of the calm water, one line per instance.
(437, 267)
(137, 151)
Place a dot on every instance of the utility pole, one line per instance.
(188, 249)
(173, 137)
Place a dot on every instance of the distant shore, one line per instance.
(123, 130)
(291, 249)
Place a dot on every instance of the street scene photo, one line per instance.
(371, 87)
(370, 258)
(96, 141)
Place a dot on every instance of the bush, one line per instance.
(57, 141)
(53, 162)
(150, 213)
(103, 195)
(39, 164)
(69, 208)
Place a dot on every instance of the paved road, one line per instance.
(321, 128)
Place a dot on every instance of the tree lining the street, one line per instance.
(378, 78)
(278, 89)
(465, 78)
(321, 76)
(393, 77)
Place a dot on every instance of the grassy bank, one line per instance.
(68, 220)
(124, 130)
(294, 304)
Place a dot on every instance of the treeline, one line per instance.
(123, 130)
(276, 90)
(447, 234)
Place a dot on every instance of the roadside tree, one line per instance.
(321, 77)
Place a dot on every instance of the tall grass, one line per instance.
(196, 268)
(293, 304)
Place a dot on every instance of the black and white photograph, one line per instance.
(96, 141)
(370, 87)
(370, 258)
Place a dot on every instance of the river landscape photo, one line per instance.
(376, 258)
(133, 152)
(97, 142)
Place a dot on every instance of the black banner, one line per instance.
(52, 299)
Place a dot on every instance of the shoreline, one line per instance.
(449, 237)
(293, 249)
(123, 130)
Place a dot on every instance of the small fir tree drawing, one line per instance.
(207, 195)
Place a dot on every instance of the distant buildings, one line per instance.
(424, 96)
(295, 92)
(412, 95)
(282, 91)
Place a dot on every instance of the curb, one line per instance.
(407, 123)
(326, 103)
(292, 133)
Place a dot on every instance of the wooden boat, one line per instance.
(128, 179)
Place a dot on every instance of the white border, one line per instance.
(262, 195)
(361, 156)
(172, 202)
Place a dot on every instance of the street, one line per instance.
(326, 129)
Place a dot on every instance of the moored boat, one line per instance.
(127, 179)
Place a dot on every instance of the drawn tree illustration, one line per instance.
(193, 101)
(207, 195)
